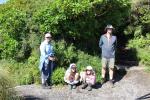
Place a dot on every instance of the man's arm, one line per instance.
(100, 42)
(116, 43)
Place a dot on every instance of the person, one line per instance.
(108, 43)
(88, 78)
(47, 59)
(72, 76)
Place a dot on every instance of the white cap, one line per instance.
(89, 68)
(47, 35)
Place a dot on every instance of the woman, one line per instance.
(47, 59)
(72, 76)
(88, 78)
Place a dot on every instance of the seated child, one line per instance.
(71, 76)
(88, 78)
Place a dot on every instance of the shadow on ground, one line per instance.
(127, 57)
(145, 97)
(29, 97)
(118, 76)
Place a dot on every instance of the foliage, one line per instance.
(13, 33)
(58, 76)
(65, 53)
(70, 18)
(75, 26)
(24, 72)
(69, 54)
(8, 46)
(138, 29)
(86, 59)
(6, 91)
(139, 19)
(28, 72)
(24, 21)
(142, 45)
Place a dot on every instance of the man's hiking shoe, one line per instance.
(49, 87)
(103, 81)
(44, 85)
(111, 82)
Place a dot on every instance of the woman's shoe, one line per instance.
(89, 88)
(74, 87)
(70, 87)
(84, 86)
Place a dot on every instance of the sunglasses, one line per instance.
(73, 68)
(48, 37)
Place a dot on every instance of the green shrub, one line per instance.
(31, 73)
(58, 76)
(8, 46)
(23, 73)
(144, 56)
(28, 72)
(6, 88)
(65, 53)
(85, 60)
(142, 47)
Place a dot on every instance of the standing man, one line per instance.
(108, 44)
(47, 59)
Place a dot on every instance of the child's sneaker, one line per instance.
(89, 88)
(84, 86)
(70, 86)
(74, 87)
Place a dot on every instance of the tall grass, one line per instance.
(6, 87)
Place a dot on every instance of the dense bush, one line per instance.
(24, 72)
(28, 72)
(75, 26)
(58, 76)
(142, 46)
(8, 46)
(86, 59)
(80, 20)
(6, 91)
(65, 53)
(138, 30)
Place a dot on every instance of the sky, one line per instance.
(2, 1)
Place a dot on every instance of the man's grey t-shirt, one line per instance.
(108, 47)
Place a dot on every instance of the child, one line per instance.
(72, 76)
(88, 78)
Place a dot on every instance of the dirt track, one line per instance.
(133, 85)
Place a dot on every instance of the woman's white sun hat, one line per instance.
(72, 65)
(47, 35)
(89, 68)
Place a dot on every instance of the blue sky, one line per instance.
(2, 1)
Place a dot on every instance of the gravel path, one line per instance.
(134, 85)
